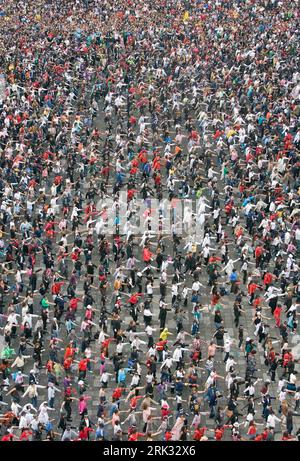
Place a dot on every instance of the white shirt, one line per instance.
(167, 363)
(177, 355)
(227, 345)
(149, 289)
(271, 421)
(229, 364)
(149, 330)
(135, 380)
(104, 377)
(149, 378)
(282, 396)
(175, 289)
(151, 352)
(196, 286)
(23, 422)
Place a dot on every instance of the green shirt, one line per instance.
(45, 304)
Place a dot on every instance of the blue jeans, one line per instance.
(34, 402)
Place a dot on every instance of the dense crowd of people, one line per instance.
(149, 220)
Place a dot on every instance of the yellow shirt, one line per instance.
(164, 335)
(186, 16)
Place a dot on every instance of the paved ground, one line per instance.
(206, 331)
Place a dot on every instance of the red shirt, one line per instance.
(157, 179)
(49, 366)
(134, 400)
(82, 366)
(88, 314)
(252, 430)
(160, 345)
(252, 288)
(268, 278)
(106, 342)
(217, 134)
(74, 303)
(277, 311)
(25, 435)
(105, 171)
(58, 180)
(147, 255)
(286, 358)
(257, 302)
(219, 434)
(168, 436)
(271, 356)
(134, 437)
(134, 298)
(258, 251)
(75, 256)
(70, 351)
(130, 194)
(165, 412)
(213, 259)
(68, 363)
(84, 433)
(228, 208)
(7, 438)
(117, 393)
(142, 157)
(56, 287)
